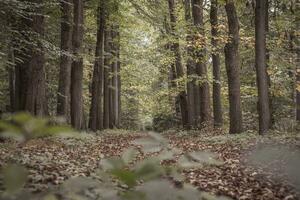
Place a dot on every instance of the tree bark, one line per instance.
(114, 78)
(77, 67)
(191, 72)
(233, 69)
(178, 64)
(96, 114)
(106, 92)
(217, 98)
(118, 120)
(36, 85)
(201, 69)
(11, 80)
(297, 44)
(261, 69)
(64, 84)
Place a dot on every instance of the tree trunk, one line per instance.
(11, 80)
(118, 120)
(114, 78)
(96, 115)
(64, 84)
(298, 86)
(106, 92)
(201, 68)
(178, 65)
(217, 98)
(36, 85)
(191, 72)
(272, 109)
(261, 69)
(297, 44)
(77, 67)
(233, 69)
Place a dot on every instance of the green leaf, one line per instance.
(22, 118)
(112, 163)
(126, 176)
(148, 170)
(129, 155)
(14, 178)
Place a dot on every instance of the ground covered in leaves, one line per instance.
(253, 167)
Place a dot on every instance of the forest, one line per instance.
(149, 99)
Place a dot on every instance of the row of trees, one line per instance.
(195, 102)
(27, 72)
(64, 59)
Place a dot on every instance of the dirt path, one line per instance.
(52, 161)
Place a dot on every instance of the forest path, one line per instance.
(53, 160)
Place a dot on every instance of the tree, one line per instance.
(77, 67)
(261, 69)
(106, 79)
(190, 64)
(199, 58)
(297, 44)
(96, 115)
(233, 69)
(35, 96)
(178, 63)
(217, 102)
(114, 102)
(63, 96)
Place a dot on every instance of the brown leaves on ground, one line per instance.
(54, 160)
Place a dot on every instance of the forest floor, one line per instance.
(254, 167)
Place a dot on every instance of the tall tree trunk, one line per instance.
(21, 50)
(272, 109)
(178, 64)
(233, 69)
(11, 80)
(298, 85)
(64, 84)
(297, 44)
(261, 69)
(77, 67)
(36, 85)
(114, 78)
(118, 120)
(106, 92)
(201, 68)
(191, 72)
(217, 101)
(96, 115)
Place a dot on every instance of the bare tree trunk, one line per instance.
(272, 109)
(36, 85)
(77, 67)
(217, 98)
(178, 65)
(114, 78)
(233, 69)
(201, 69)
(297, 44)
(118, 120)
(298, 86)
(261, 69)
(191, 71)
(11, 80)
(106, 92)
(64, 84)
(96, 115)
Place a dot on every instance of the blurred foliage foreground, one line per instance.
(117, 177)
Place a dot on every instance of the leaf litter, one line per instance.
(245, 168)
